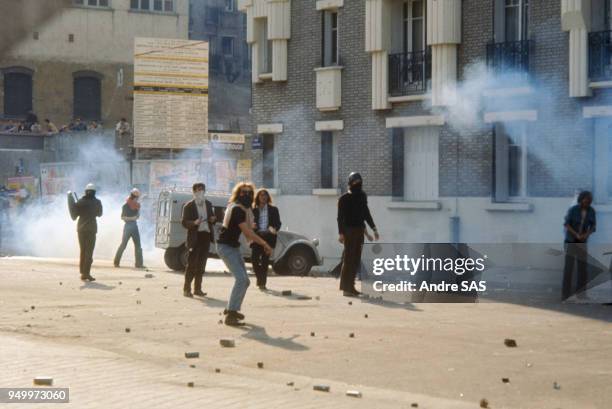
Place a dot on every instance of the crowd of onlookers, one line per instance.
(31, 124)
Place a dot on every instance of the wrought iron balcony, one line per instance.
(409, 73)
(509, 58)
(600, 56)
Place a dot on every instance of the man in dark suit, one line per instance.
(266, 223)
(198, 219)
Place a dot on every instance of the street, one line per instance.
(397, 356)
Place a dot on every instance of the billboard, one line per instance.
(170, 93)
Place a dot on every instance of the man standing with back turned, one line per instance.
(87, 209)
(353, 212)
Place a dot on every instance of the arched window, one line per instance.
(87, 95)
(17, 91)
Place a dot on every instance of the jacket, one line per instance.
(88, 208)
(190, 215)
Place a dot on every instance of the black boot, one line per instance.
(232, 319)
(238, 315)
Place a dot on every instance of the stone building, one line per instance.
(471, 121)
(80, 63)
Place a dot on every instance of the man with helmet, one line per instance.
(87, 209)
(353, 213)
(130, 212)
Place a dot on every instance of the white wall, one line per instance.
(101, 34)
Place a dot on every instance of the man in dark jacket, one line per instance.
(199, 219)
(87, 209)
(130, 212)
(353, 212)
(266, 223)
(579, 224)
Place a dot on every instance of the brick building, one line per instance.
(473, 120)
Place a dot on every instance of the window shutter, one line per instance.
(501, 193)
(499, 25)
(397, 162)
(87, 98)
(17, 94)
(327, 159)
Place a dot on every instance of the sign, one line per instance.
(170, 93)
(243, 170)
(174, 173)
(227, 141)
(25, 186)
(257, 142)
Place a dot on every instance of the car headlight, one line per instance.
(315, 242)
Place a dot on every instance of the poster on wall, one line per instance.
(26, 187)
(175, 174)
(243, 170)
(170, 93)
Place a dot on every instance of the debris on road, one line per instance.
(138, 289)
(556, 386)
(317, 298)
(67, 316)
(227, 343)
(290, 383)
(218, 370)
(165, 287)
(312, 334)
(148, 275)
(414, 405)
(138, 302)
(353, 394)
(190, 355)
(127, 330)
(120, 283)
(352, 335)
(32, 307)
(510, 343)
(350, 303)
(365, 316)
(61, 283)
(286, 293)
(260, 365)
(192, 366)
(506, 380)
(484, 403)
(43, 381)
(304, 298)
(190, 384)
(321, 388)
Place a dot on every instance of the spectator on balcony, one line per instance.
(36, 128)
(30, 120)
(78, 125)
(50, 127)
(23, 127)
(94, 126)
(11, 126)
(123, 128)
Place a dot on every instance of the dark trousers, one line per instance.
(87, 243)
(130, 231)
(351, 258)
(575, 254)
(196, 262)
(260, 260)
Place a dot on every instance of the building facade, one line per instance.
(473, 121)
(224, 27)
(80, 63)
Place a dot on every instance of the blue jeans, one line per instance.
(130, 231)
(233, 260)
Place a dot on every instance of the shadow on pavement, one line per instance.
(96, 286)
(212, 302)
(258, 333)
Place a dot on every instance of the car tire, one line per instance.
(171, 258)
(297, 262)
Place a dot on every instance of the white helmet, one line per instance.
(90, 186)
(135, 192)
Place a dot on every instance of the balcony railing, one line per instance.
(510, 57)
(409, 73)
(600, 56)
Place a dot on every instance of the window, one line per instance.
(415, 161)
(264, 47)
(152, 5)
(269, 159)
(329, 161)
(92, 3)
(413, 26)
(230, 5)
(17, 92)
(87, 96)
(330, 38)
(511, 20)
(227, 43)
(510, 162)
